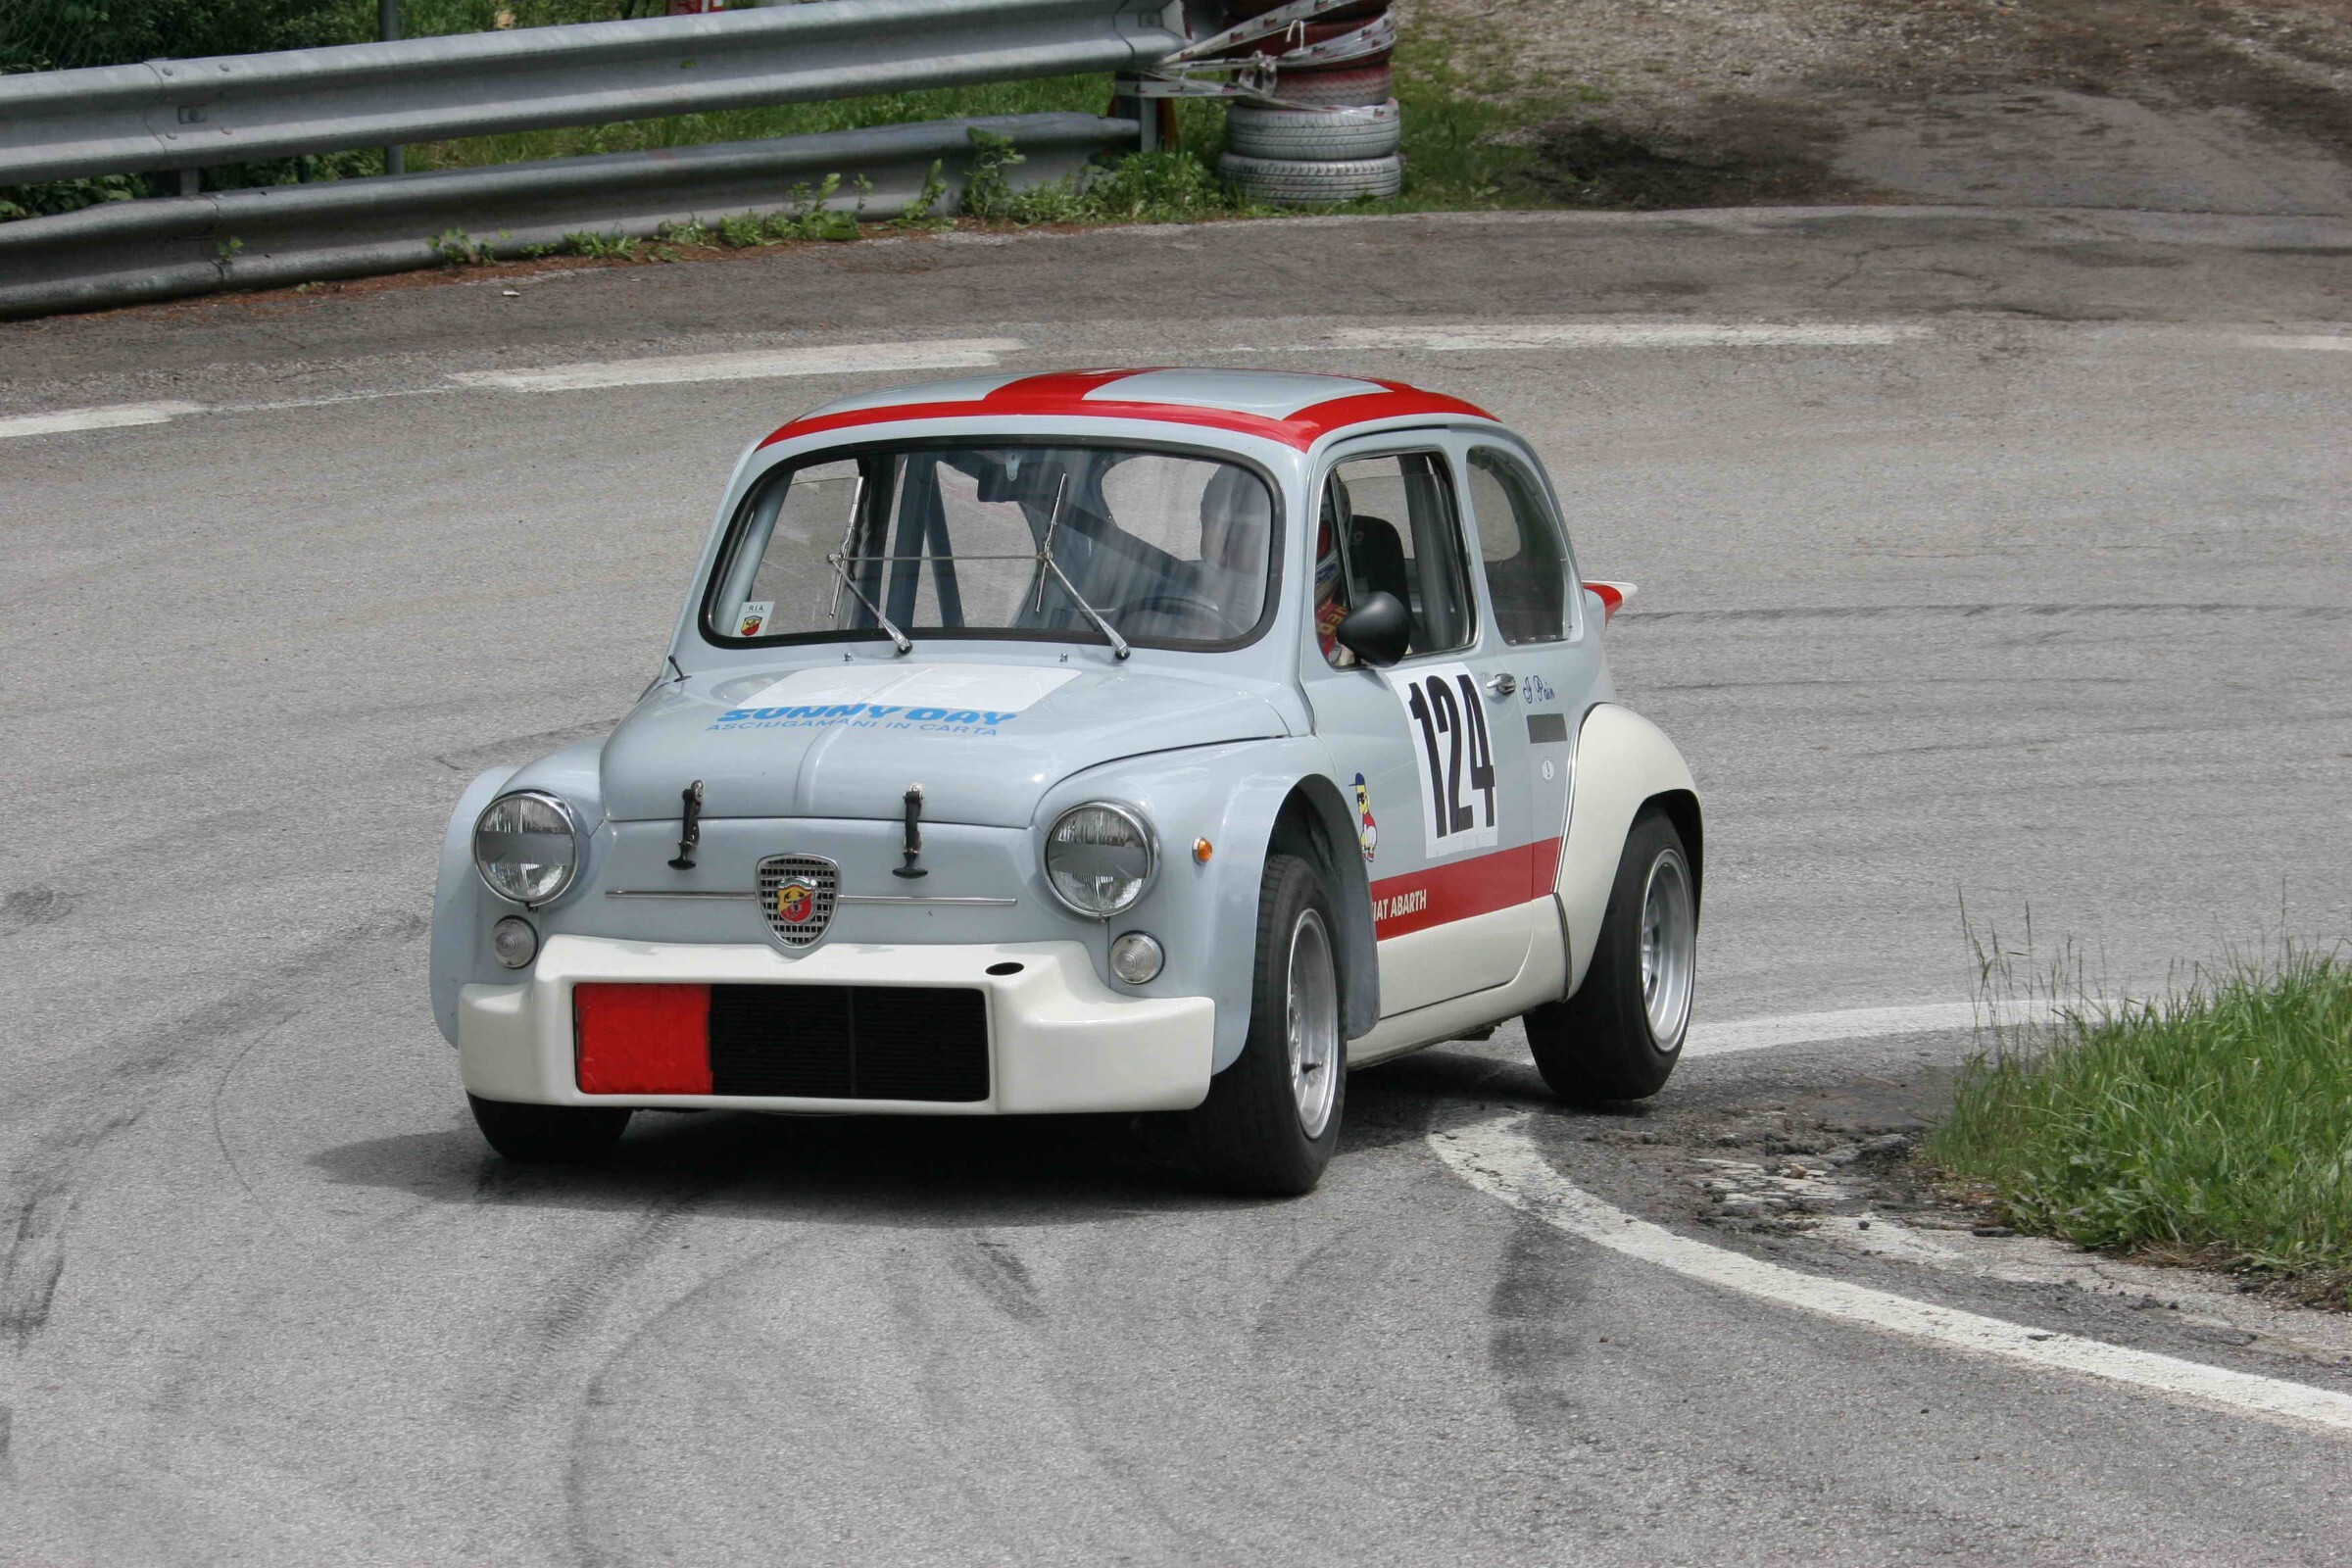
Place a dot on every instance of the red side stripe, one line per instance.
(1457, 891)
(641, 1039)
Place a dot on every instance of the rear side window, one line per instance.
(1388, 526)
(1519, 543)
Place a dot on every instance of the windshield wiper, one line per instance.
(872, 608)
(1045, 559)
(836, 562)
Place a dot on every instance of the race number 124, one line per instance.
(1453, 756)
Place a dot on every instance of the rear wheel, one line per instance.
(548, 1134)
(1272, 1119)
(1619, 1037)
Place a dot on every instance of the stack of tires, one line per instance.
(1332, 130)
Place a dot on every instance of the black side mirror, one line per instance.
(1377, 631)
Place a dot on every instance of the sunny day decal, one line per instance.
(913, 698)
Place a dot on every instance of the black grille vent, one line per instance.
(848, 1042)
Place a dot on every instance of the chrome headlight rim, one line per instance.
(572, 824)
(1134, 818)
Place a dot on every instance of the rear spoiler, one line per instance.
(1613, 596)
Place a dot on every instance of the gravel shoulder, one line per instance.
(2143, 103)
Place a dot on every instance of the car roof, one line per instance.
(1296, 409)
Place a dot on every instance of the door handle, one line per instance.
(1501, 684)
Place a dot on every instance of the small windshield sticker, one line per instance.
(909, 699)
(755, 613)
(1367, 832)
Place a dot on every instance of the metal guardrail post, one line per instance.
(387, 30)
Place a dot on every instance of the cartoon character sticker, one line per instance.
(755, 613)
(795, 903)
(1368, 833)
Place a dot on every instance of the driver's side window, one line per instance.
(1387, 524)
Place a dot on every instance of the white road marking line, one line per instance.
(834, 359)
(1854, 1023)
(2341, 344)
(106, 418)
(1499, 1159)
(1625, 335)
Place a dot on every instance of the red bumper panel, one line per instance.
(641, 1039)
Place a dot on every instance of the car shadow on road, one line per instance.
(922, 1171)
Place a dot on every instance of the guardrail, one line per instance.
(192, 113)
(272, 236)
(189, 113)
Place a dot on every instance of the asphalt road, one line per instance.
(2038, 600)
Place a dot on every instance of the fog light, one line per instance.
(1135, 959)
(512, 942)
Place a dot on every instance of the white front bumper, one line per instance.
(1059, 1038)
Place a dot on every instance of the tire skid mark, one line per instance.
(1277, 1311)
(220, 1135)
(1538, 1321)
(592, 1286)
(941, 1365)
(591, 1546)
(1003, 1280)
(37, 904)
(49, 1175)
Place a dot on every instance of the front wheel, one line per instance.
(560, 1134)
(1619, 1037)
(1272, 1119)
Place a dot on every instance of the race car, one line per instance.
(1158, 741)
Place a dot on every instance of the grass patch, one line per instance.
(2214, 1126)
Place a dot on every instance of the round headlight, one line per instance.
(526, 846)
(1099, 858)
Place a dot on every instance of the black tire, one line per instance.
(1249, 1136)
(1601, 1043)
(557, 1135)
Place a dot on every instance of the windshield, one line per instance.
(1170, 548)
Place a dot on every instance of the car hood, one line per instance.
(845, 740)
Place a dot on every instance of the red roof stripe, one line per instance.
(1064, 395)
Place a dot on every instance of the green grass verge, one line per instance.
(2214, 1126)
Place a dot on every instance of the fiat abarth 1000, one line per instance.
(1165, 741)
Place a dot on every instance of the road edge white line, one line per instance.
(757, 365)
(112, 417)
(1858, 1023)
(2321, 342)
(1487, 336)
(1498, 1158)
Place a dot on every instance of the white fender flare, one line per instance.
(1623, 762)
